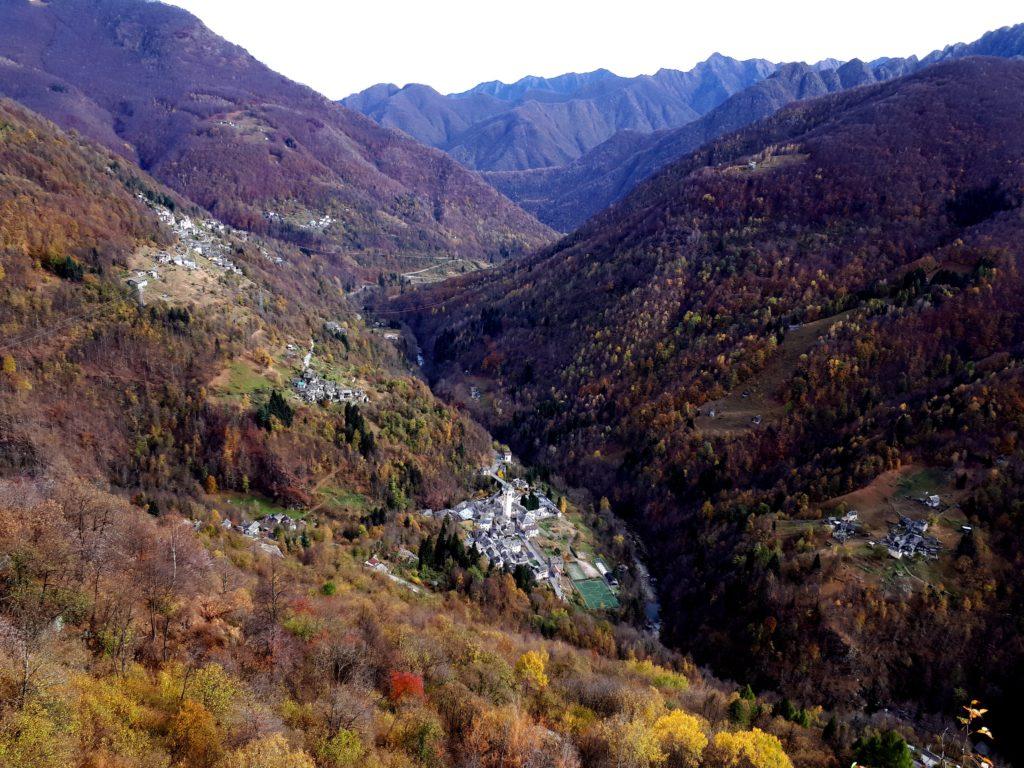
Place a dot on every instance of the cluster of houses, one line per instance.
(264, 528)
(503, 529)
(202, 238)
(314, 388)
(223, 263)
(843, 528)
(267, 525)
(205, 238)
(177, 260)
(319, 224)
(335, 329)
(267, 254)
(908, 538)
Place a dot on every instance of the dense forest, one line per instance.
(882, 227)
(139, 628)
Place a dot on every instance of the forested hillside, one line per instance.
(256, 150)
(816, 314)
(143, 423)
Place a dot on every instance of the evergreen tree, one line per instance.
(426, 552)
(967, 547)
(739, 712)
(830, 731)
(787, 710)
(275, 406)
(883, 750)
(523, 578)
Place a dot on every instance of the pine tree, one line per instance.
(426, 553)
(830, 731)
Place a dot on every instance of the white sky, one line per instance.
(342, 46)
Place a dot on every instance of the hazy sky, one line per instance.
(342, 46)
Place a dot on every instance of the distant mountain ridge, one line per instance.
(539, 150)
(541, 122)
(569, 85)
(565, 197)
(261, 152)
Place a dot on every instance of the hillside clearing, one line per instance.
(757, 398)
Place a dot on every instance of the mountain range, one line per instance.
(563, 194)
(545, 122)
(257, 150)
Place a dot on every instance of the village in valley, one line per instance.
(515, 526)
(520, 526)
(313, 387)
(264, 530)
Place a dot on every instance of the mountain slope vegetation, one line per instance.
(137, 630)
(139, 430)
(889, 218)
(258, 151)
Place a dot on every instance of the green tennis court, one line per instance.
(596, 594)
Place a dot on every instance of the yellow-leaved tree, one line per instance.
(681, 737)
(29, 738)
(746, 749)
(195, 738)
(531, 669)
(630, 743)
(343, 750)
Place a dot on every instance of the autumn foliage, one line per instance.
(406, 685)
(894, 210)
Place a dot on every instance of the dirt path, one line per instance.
(314, 492)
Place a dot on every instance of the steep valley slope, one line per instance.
(139, 431)
(893, 211)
